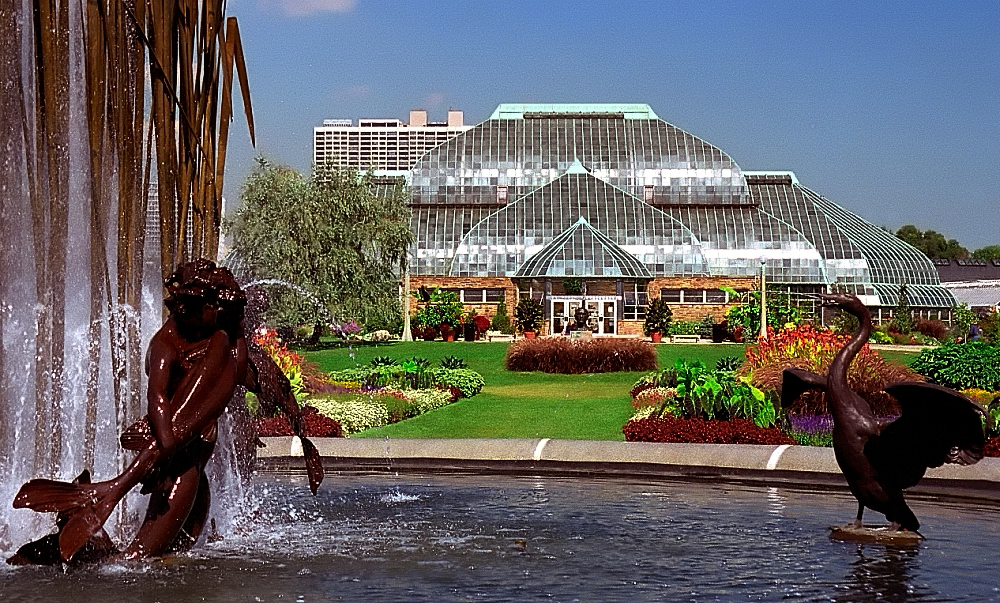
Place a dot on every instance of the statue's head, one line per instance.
(581, 315)
(201, 295)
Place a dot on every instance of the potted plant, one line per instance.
(658, 316)
(482, 324)
(447, 333)
(529, 315)
(469, 328)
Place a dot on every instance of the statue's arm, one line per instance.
(162, 358)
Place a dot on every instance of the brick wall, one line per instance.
(447, 282)
(697, 312)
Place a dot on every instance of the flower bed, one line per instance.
(675, 429)
(315, 426)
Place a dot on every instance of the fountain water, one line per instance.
(79, 298)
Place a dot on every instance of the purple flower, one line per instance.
(812, 424)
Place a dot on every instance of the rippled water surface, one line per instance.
(462, 538)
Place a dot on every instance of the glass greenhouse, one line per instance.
(634, 207)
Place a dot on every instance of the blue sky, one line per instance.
(890, 109)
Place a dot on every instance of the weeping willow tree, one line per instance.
(102, 59)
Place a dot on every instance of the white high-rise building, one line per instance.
(387, 146)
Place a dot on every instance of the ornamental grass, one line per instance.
(561, 355)
(814, 350)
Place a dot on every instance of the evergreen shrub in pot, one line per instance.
(658, 317)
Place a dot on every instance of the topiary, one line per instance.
(501, 322)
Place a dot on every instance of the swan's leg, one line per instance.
(857, 522)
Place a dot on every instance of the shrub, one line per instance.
(814, 350)
(354, 415)
(563, 356)
(468, 381)
(501, 322)
(482, 323)
(902, 319)
(932, 328)
(961, 366)
(443, 308)
(529, 315)
(992, 447)
(426, 400)
(383, 361)
(991, 327)
(656, 397)
(314, 425)
(685, 327)
(673, 429)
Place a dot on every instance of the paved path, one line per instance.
(778, 465)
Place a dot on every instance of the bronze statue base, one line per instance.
(877, 534)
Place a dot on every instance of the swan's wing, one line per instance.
(938, 425)
(795, 382)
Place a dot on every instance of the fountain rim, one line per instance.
(781, 466)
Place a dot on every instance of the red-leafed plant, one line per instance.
(482, 323)
(813, 349)
(314, 425)
(674, 429)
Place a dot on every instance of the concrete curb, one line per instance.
(773, 465)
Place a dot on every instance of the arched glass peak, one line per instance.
(576, 168)
(542, 110)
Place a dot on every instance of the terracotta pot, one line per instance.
(529, 334)
(656, 336)
(450, 337)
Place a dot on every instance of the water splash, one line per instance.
(297, 288)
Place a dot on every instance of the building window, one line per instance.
(635, 302)
(716, 296)
(495, 296)
(647, 193)
(501, 194)
(693, 296)
(671, 296)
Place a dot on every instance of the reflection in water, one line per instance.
(881, 574)
(504, 538)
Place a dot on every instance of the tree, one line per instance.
(932, 244)
(990, 252)
(902, 319)
(338, 235)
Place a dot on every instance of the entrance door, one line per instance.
(602, 312)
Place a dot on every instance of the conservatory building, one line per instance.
(608, 206)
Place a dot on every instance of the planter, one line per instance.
(447, 333)
(656, 336)
(719, 333)
(469, 331)
(529, 334)
(429, 334)
(449, 337)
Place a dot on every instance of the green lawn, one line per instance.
(525, 405)
(518, 405)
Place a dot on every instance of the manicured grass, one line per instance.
(518, 405)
